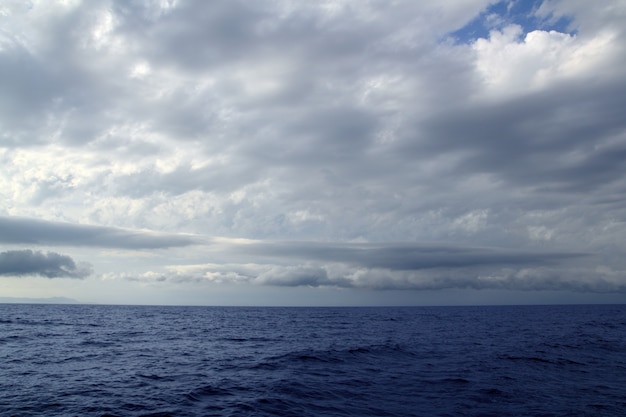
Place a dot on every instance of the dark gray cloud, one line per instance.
(525, 141)
(29, 91)
(15, 230)
(406, 256)
(49, 265)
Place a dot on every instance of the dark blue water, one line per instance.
(66, 360)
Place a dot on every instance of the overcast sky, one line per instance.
(278, 152)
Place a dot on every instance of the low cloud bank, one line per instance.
(583, 280)
(50, 265)
(404, 266)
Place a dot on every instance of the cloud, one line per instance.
(406, 266)
(16, 230)
(523, 141)
(297, 276)
(50, 265)
(362, 115)
(531, 278)
(403, 256)
(600, 280)
(497, 126)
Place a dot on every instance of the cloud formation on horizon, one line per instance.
(600, 280)
(392, 267)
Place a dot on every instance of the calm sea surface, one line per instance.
(87, 360)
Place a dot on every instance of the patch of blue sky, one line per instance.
(511, 12)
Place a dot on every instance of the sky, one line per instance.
(328, 152)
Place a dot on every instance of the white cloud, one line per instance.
(513, 62)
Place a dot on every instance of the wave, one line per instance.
(120, 361)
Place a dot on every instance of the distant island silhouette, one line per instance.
(46, 300)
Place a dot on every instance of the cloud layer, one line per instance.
(313, 275)
(486, 137)
(392, 267)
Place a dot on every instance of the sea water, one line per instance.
(91, 360)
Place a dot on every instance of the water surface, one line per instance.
(60, 360)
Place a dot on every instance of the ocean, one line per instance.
(94, 360)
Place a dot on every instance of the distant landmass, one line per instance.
(48, 300)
